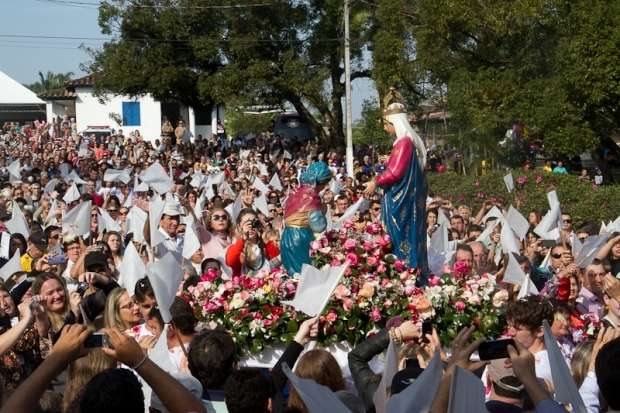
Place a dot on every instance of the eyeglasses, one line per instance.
(128, 306)
(219, 218)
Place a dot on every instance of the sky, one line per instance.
(23, 58)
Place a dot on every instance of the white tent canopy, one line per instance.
(14, 93)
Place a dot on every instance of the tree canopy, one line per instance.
(49, 81)
(195, 53)
(551, 65)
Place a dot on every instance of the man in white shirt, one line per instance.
(525, 319)
(168, 227)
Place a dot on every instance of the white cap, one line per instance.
(171, 207)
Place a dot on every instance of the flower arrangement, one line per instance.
(375, 288)
(248, 307)
(462, 299)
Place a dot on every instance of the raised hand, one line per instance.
(308, 330)
(70, 345)
(462, 351)
(124, 348)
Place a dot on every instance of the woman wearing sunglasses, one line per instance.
(216, 238)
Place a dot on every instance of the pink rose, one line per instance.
(399, 266)
(267, 322)
(539, 179)
(375, 314)
(210, 306)
(341, 292)
(372, 261)
(461, 269)
(459, 306)
(347, 304)
(368, 246)
(373, 228)
(331, 317)
(350, 244)
(387, 303)
(384, 241)
(352, 259)
(381, 268)
(348, 224)
(409, 289)
(315, 245)
(433, 281)
(335, 262)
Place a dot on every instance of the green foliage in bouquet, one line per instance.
(460, 299)
(375, 288)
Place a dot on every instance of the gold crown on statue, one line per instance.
(396, 101)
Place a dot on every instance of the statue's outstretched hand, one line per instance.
(370, 188)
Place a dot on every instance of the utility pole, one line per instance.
(347, 78)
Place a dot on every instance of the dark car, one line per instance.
(292, 128)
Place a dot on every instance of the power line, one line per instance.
(176, 41)
(84, 4)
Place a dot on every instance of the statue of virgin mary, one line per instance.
(405, 189)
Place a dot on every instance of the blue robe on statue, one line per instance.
(403, 209)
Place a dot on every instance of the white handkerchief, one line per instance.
(509, 182)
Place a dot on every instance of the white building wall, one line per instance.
(89, 112)
(54, 109)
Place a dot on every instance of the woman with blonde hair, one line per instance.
(80, 372)
(121, 311)
(58, 302)
(580, 363)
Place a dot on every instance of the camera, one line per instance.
(81, 288)
(255, 223)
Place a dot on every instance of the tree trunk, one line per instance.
(306, 114)
(336, 128)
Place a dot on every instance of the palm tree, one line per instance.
(50, 81)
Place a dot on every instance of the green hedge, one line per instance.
(582, 200)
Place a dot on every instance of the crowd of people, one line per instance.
(77, 337)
